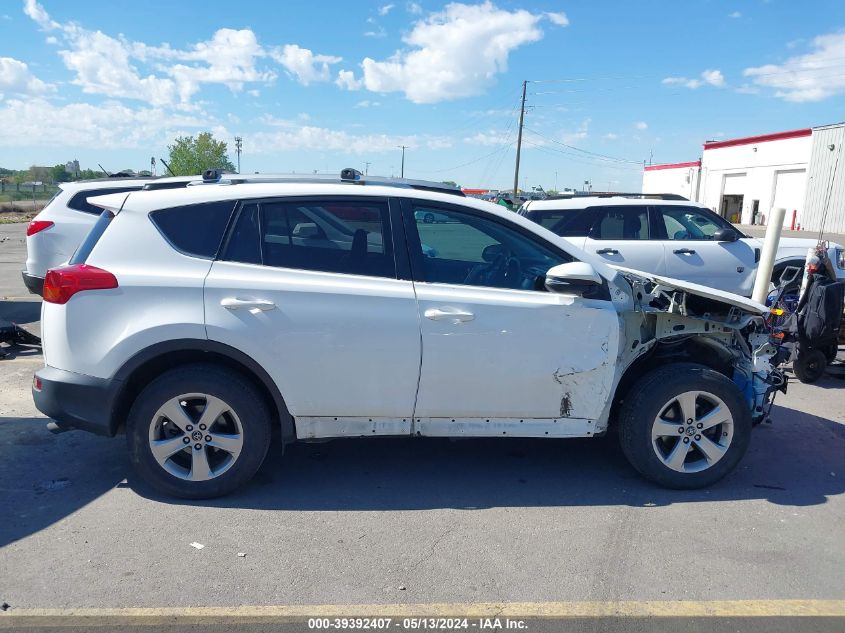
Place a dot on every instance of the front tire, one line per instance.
(684, 426)
(198, 432)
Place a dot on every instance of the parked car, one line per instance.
(56, 232)
(194, 320)
(668, 236)
(431, 217)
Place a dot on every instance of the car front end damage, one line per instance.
(671, 319)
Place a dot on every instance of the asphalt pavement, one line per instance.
(390, 522)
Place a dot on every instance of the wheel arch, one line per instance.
(146, 365)
(698, 350)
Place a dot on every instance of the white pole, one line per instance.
(767, 258)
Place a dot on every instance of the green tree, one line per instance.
(59, 174)
(450, 182)
(190, 156)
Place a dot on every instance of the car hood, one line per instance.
(729, 298)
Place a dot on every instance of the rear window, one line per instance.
(79, 201)
(195, 229)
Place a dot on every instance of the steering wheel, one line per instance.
(505, 271)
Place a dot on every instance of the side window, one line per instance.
(337, 236)
(79, 201)
(464, 248)
(244, 244)
(690, 223)
(621, 223)
(574, 222)
(195, 229)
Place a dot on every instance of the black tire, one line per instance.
(831, 352)
(428, 218)
(809, 366)
(648, 397)
(244, 402)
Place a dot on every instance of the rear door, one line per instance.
(309, 288)
(623, 236)
(693, 254)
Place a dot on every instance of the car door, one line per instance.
(308, 287)
(622, 236)
(501, 355)
(693, 254)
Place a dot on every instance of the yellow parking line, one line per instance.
(664, 608)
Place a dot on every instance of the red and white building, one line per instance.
(742, 179)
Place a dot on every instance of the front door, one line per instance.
(308, 288)
(693, 254)
(501, 355)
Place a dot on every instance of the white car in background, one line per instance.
(56, 232)
(668, 235)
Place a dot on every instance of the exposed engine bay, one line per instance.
(670, 317)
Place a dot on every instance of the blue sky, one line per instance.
(325, 85)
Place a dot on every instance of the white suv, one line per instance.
(195, 320)
(668, 235)
(56, 232)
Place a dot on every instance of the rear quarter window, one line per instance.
(79, 201)
(195, 229)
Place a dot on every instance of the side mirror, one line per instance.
(725, 235)
(491, 252)
(572, 277)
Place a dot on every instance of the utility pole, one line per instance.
(367, 167)
(238, 145)
(404, 147)
(519, 142)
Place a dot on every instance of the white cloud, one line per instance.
(557, 17)
(346, 80)
(414, 8)
(641, 125)
(708, 77)
(16, 78)
(37, 13)
(385, 9)
(735, 15)
(610, 136)
(292, 135)
(811, 77)
(37, 122)
(367, 104)
(454, 53)
(489, 138)
(304, 65)
(110, 66)
(378, 32)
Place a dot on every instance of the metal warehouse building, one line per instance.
(742, 179)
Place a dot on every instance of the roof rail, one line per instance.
(613, 194)
(347, 176)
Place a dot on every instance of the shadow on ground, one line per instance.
(799, 461)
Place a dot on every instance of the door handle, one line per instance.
(236, 303)
(456, 316)
(607, 251)
(684, 251)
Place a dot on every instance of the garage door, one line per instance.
(734, 185)
(789, 192)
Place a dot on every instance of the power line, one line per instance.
(584, 151)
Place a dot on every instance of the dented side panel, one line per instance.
(523, 354)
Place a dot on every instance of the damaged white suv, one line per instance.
(196, 319)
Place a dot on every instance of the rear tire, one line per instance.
(809, 366)
(198, 432)
(664, 432)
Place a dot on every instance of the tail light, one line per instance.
(36, 226)
(62, 283)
